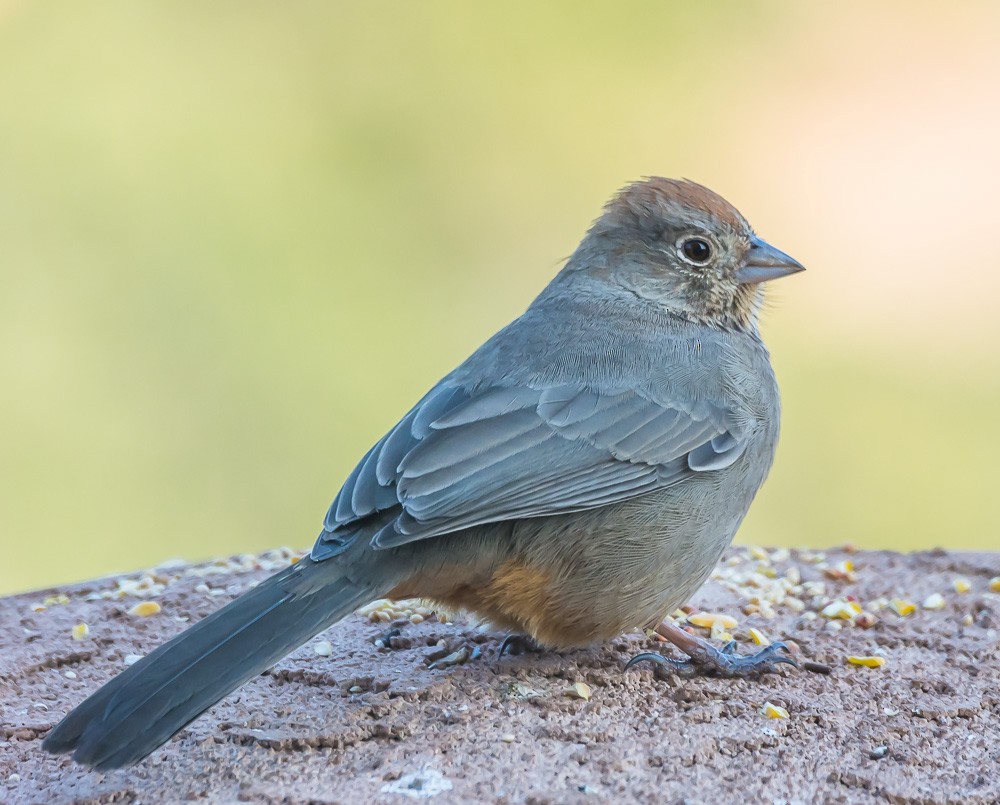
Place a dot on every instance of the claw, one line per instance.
(516, 644)
(653, 657)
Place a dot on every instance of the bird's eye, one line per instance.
(695, 250)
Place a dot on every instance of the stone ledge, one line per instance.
(344, 719)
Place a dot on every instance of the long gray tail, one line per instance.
(142, 707)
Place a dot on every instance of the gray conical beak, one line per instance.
(764, 263)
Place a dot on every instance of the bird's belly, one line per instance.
(576, 579)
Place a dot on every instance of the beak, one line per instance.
(764, 263)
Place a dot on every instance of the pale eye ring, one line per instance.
(695, 249)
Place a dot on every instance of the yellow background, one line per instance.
(239, 239)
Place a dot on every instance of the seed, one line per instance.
(968, 620)
(324, 648)
(80, 631)
(995, 584)
(759, 637)
(841, 608)
(707, 620)
(144, 609)
(507, 737)
(934, 601)
(132, 659)
(865, 620)
(902, 607)
(867, 662)
(961, 585)
(578, 690)
(774, 711)
(759, 553)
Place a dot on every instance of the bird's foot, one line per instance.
(703, 656)
(722, 661)
(515, 643)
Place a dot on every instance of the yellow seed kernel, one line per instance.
(774, 711)
(579, 690)
(144, 609)
(968, 620)
(759, 637)
(995, 584)
(324, 648)
(759, 553)
(707, 620)
(961, 585)
(867, 662)
(934, 601)
(80, 631)
(902, 607)
(841, 608)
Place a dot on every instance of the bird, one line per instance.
(579, 475)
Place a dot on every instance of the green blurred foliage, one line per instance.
(238, 240)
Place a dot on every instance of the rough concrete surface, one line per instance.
(369, 723)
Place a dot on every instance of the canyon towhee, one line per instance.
(579, 475)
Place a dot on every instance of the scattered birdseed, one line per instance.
(841, 608)
(578, 690)
(902, 607)
(867, 662)
(324, 648)
(507, 737)
(145, 608)
(774, 711)
(69, 674)
(994, 584)
(968, 620)
(865, 620)
(355, 689)
(55, 600)
(817, 667)
(961, 585)
(707, 620)
(879, 752)
(80, 631)
(719, 631)
(132, 659)
(759, 637)
(843, 571)
(934, 601)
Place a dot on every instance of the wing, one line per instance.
(463, 457)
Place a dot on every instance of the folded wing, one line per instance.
(466, 457)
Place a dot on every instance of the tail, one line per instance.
(142, 707)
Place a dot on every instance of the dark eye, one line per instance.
(696, 250)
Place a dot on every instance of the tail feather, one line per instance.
(146, 704)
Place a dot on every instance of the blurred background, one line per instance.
(238, 240)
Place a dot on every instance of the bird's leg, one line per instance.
(515, 643)
(703, 655)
